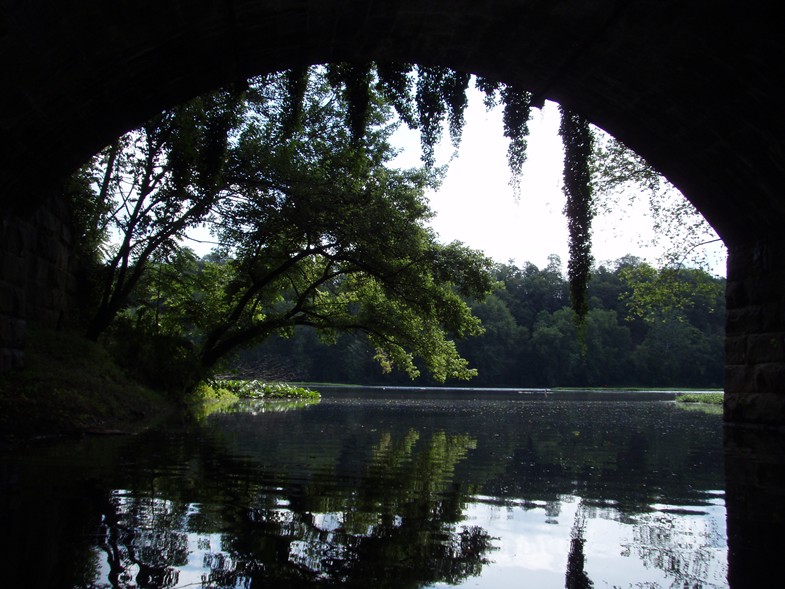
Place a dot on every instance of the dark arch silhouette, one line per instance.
(684, 84)
(695, 87)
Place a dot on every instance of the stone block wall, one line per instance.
(755, 334)
(755, 503)
(38, 284)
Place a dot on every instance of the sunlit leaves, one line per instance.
(660, 295)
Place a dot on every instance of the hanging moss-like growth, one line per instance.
(441, 94)
(517, 105)
(395, 82)
(296, 81)
(577, 139)
(353, 82)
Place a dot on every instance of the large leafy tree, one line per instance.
(313, 225)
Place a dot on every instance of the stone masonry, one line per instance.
(755, 333)
(37, 281)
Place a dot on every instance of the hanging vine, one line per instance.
(394, 82)
(431, 109)
(517, 104)
(517, 111)
(577, 139)
(296, 81)
(425, 96)
(353, 82)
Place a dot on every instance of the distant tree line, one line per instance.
(645, 327)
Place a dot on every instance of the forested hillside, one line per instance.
(645, 327)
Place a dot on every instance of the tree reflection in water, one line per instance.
(144, 540)
(658, 539)
(399, 527)
(576, 577)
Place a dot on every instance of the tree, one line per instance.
(494, 353)
(683, 309)
(314, 230)
(154, 184)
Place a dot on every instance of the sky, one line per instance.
(476, 204)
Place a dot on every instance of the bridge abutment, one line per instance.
(755, 334)
(38, 284)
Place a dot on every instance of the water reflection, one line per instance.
(381, 493)
(576, 577)
(398, 528)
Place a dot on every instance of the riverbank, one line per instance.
(71, 386)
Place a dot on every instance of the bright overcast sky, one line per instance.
(476, 205)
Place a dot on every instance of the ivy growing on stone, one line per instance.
(353, 80)
(517, 110)
(517, 105)
(395, 82)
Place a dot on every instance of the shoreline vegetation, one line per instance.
(71, 386)
(237, 389)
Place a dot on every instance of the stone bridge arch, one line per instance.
(695, 87)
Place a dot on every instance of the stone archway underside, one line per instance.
(695, 87)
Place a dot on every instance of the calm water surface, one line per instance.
(393, 490)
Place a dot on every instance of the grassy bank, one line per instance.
(71, 386)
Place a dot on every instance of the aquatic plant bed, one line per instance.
(257, 389)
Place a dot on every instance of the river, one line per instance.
(380, 488)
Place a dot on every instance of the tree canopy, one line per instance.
(313, 227)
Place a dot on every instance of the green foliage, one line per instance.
(256, 389)
(657, 295)
(156, 183)
(517, 104)
(211, 392)
(88, 213)
(622, 179)
(291, 172)
(313, 225)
